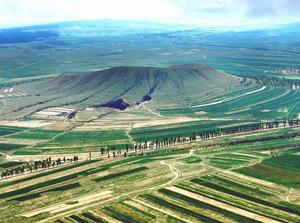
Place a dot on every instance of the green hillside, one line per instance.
(170, 87)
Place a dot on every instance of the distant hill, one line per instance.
(89, 28)
(177, 86)
(173, 85)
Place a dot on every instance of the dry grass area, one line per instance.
(21, 141)
(54, 113)
(133, 118)
(72, 203)
(171, 120)
(115, 120)
(27, 123)
(59, 125)
(10, 93)
(201, 113)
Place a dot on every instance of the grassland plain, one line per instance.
(227, 53)
(41, 141)
(159, 185)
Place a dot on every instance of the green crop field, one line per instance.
(204, 205)
(227, 196)
(9, 147)
(4, 130)
(10, 164)
(47, 173)
(282, 170)
(37, 134)
(183, 129)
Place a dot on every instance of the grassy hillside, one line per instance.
(173, 86)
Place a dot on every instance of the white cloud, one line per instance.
(207, 12)
(41, 11)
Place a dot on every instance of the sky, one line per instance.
(192, 12)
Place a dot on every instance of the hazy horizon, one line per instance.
(220, 13)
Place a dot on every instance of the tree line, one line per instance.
(38, 165)
(194, 137)
(272, 81)
(142, 146)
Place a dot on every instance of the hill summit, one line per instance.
(134, 84)
(120, 87)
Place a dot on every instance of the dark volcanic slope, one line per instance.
(153, 78)
(133, 83)
(173, 86)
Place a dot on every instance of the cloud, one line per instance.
(273, 8)
(239, 12)
(202, 12)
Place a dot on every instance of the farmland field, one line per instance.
(282, 170)
(217, 184)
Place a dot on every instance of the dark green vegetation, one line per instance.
(164, 203)
(200, 204)
(5, 130)
(39, 194)
(243, 196)
(71, 142)
(92, 217)
(47, 173)
(123, 217)
(182, 129)
(254, 207)
(191, 160)
(36, 134)
(91, 138)
(86, 138)
(9, 147)
(51, 182)
(255, 191)
(120, 174)
(283, 169)
(10, 164)
(78, 219)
